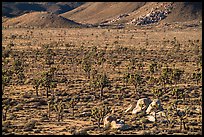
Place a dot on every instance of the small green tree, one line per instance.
(6, 108)
(176, 75)
(153, 67)
(183, 117)
(140, 66)
(197, 76)
(136, 79)
(6, 78)
(18, 69)
(36, 84)
(157, 92)
(98, 113)
(48, 81)
(86, 66)
(72, 103)
(49, 56)
(59, 108)
(17, 65)
(126, 77)
(165, 77)
(175, 92)
(102, 82)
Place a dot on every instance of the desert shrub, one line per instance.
(59, 108)
(72, 103)
(136, 80)
(86, 66)
(48, 81)
(36, 84)
(197, 76)
(99, 112)
(6, 78)
(100, 81)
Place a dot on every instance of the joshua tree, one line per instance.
(98, 113)
(18, 69)
(183, 117)
(36, 84)
(126, 77)
(6, 78)
(165, 76)
(176, 75)
(153, 67)
(100, 81)
(133, 63)
(86, 65)
(136, 79)
(197, 76)
(72, 103)
(21, 77)
(157, 92)
(197, 52)
(140, 66)
(175, 92)
(59, 108)
(101, 58)
(49, 56)
(49, 103)
(48, 82)
(6, 108)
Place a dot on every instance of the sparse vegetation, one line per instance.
(108, 68)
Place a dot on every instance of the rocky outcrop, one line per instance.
(141, 105)
(154, 16)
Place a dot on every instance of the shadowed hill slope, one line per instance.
(40, 19)
(13, 9)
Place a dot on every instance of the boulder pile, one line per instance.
(152, 109)
(154, 16)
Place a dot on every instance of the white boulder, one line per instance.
(151, 118)
(142, 104)
(154, 103)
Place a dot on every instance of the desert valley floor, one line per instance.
(114, 52)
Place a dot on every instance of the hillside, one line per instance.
(96, 12)
(13, 9)
(40, 19)
(125, 12)
(105, 13)
(185, 11)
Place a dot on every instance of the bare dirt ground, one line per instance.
(119, 47)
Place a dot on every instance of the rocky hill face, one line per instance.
(137, 13)
(41, 20)
(97, 12)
